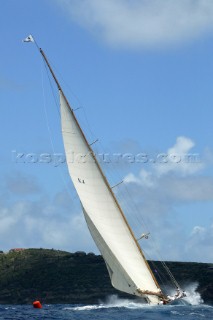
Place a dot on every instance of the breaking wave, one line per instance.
(192, 296)
(113, 301)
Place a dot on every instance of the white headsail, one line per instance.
(128, 269)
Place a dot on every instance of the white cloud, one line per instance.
(174, 181)
(180, 159)
(200, 243)
(145, 178)
(26, 224)
(40, 221)
(198, 231)
(142, 23)
(159, 193)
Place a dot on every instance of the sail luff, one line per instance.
(100, 170)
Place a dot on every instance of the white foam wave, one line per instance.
(85, 308)
(112, 302)
(192, 296)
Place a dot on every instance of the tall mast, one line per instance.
(99, 167)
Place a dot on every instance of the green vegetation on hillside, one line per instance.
(61, 277)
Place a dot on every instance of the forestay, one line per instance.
(127, 267)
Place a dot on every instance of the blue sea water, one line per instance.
(114, 308)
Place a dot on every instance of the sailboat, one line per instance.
(127, 266)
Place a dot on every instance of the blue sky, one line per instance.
(141, 73)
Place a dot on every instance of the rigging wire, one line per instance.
(53, 93)
(157, 271)
(46, 116)
(138, 216)
(134, 208)
(164, 265)
(49, 128)
(161, 275)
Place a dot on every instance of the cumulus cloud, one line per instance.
(159, 192)
(27, 224)
(142, 23)
(200, 243)
(180, 159)
(145, 178)
(40, 221)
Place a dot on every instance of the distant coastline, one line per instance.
(54, 276)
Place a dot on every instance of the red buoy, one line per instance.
(37, 304)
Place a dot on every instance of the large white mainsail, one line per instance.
(125, 262)
(128, 269)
